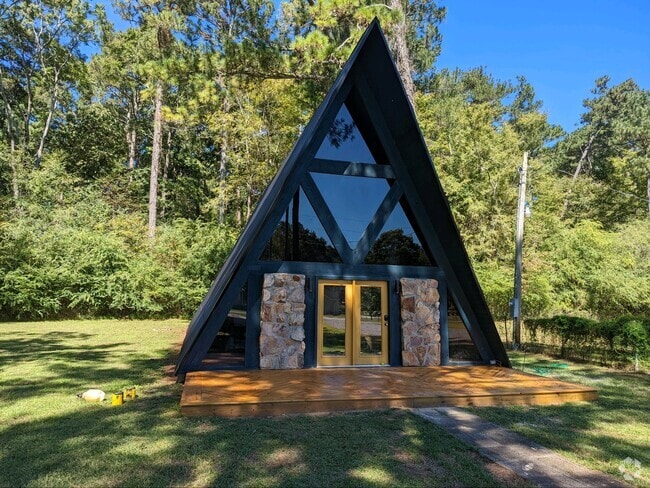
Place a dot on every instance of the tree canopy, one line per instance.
(131, 159)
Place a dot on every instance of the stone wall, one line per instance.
(419, 303)
(282, 338)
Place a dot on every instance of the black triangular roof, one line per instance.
(372, 89)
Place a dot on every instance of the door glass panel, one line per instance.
(334, 320)
(344, 142)
(371, 321)
(352, 324)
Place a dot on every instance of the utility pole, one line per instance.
(519, 241)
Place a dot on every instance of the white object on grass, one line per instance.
(93, 395)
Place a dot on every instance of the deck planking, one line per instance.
(260, 393)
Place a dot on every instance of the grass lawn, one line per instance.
(49, 437)
(600, 434)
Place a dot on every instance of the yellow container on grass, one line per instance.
(117, 398)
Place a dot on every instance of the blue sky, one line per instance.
(561, 47)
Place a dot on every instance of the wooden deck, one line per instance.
(260, 393)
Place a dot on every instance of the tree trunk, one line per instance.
(401, 50)
(223, 163)
(583, 158)
(14, 169)
(27, 115)
(130, 132)
(163, 195)
(249, 204)
(131, 141)
(48, 120)
(11, 128)
(223, 171)
(133, 135)
(238, 215)
(155, 158)
(648, 194)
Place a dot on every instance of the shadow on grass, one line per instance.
(72, 362)
(605, 431)
(147, 443)
(49, 437)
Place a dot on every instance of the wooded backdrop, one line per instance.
(130, 160)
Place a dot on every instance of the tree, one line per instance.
(321, 35)
(160, 18)
(41, 66)
(249, 104)
(612, 138)
(118, 78)
(87, 138)
(394, 247)
(530, 124)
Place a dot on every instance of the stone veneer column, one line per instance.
(419, 303)
(282, 337)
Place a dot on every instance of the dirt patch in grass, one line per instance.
(506, 477)
(418, 466)
(283, 457)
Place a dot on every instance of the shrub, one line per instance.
(623, 340)
(79, 264)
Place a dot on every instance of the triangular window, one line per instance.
(229, 346)
(353, 201)
(309, 242)
(343, 142)
(461, 345)
(397, 243)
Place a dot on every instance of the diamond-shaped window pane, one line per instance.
(344, 142)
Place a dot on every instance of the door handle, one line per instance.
(386, 320)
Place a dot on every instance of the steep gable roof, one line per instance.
(371, 87)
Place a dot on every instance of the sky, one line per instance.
(561, 47)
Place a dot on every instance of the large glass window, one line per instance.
(300, 236)
(229, 346)
(397, 243)
(344, 142)
(461, 345)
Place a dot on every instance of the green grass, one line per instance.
(49, 437)
(599, 434)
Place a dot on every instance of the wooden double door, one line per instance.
(352, 323)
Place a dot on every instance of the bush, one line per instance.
(623, 340)
(82, 264)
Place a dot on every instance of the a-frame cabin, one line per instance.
(352, 256)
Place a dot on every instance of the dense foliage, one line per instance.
(622, 340)
(131, 159)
